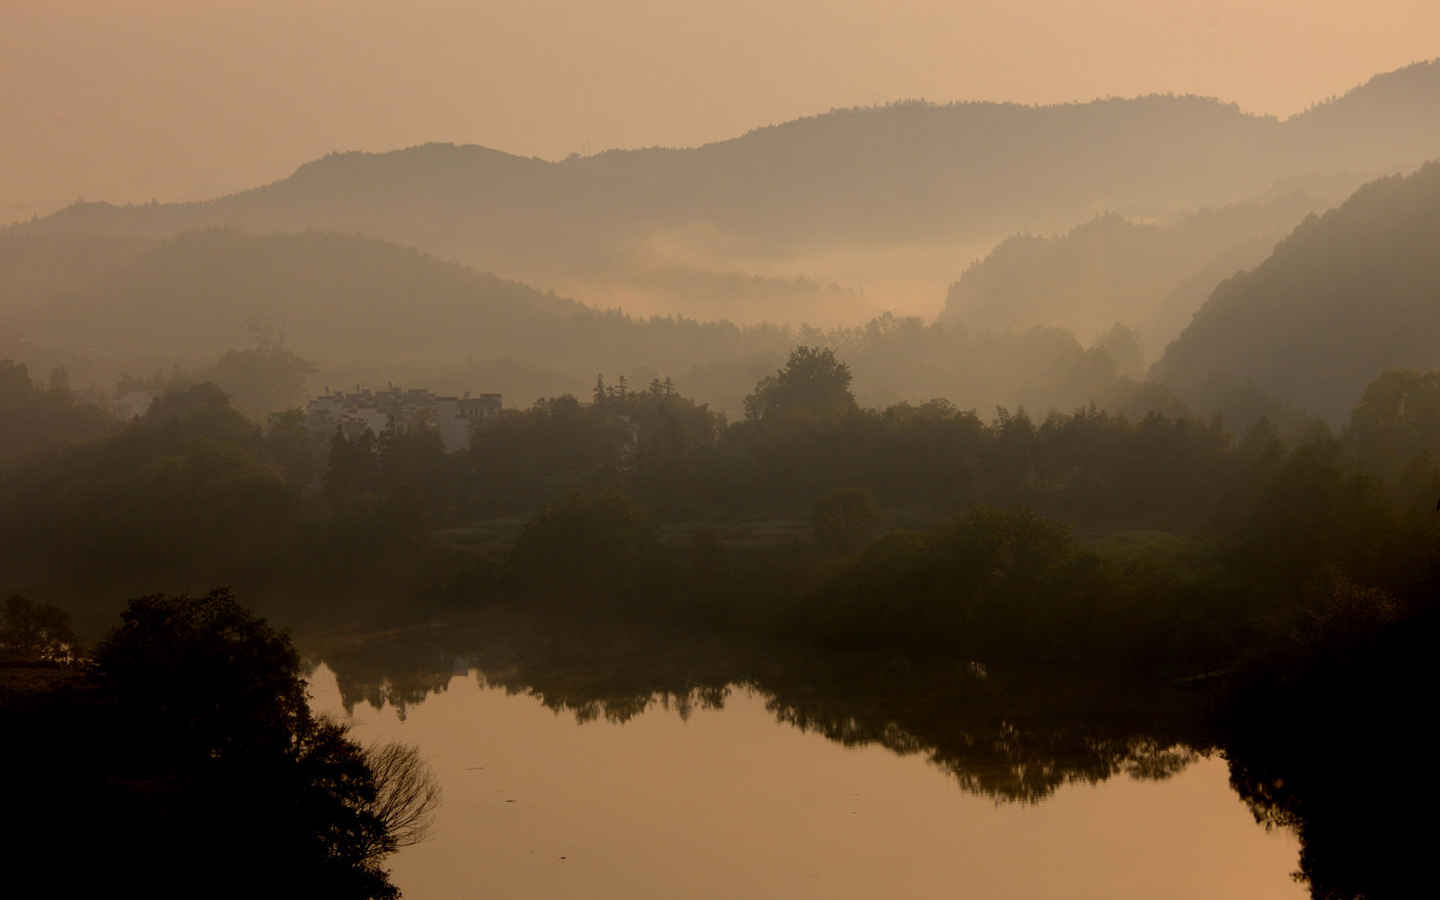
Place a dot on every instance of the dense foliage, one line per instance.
(212, 758)
(40, 419)
(192, 492)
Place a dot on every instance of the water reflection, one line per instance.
(700, 794)
(728, 805)
(1008, 738)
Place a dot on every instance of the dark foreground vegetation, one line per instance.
(183, 755)
(1255, 593)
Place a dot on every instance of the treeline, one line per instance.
(734, 515)
(934, 533)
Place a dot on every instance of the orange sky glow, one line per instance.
(185, 99)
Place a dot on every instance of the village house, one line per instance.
(355, 412)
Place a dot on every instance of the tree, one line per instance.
(283, 801)
(813, 387)
(37, 631)
(261, 380)
(38, 420)
(406, 794)
(353, 470)
(1396, 423)
(596, 545)
(218, 678)
(844, 521)
(413, 474)
(294, 447)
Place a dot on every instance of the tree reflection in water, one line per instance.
(1011, 736)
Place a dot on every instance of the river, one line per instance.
(740, 795)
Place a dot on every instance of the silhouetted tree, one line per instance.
(813, 386)
(240, 694)
(406, 795)
(271, 795)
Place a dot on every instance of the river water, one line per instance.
(731, 802)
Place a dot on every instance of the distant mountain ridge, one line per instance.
(886, 174)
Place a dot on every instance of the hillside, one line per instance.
(1112, 269)
(1346, 296)
(892, 172)
(37, 267)
(1399, 109)
(362, 310)
(355, 306)
(875, 177)
(205, 291)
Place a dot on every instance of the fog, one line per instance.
(708, 469)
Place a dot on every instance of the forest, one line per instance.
(797, 518)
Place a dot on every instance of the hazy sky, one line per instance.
(182, 99)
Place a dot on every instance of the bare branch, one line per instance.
(406, 794)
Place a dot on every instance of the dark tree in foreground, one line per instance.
(218, 678)
(213, 778)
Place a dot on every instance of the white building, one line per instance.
(453, 418)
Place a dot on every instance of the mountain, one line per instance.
(357, 307)
(203, 292)
(871, 177)
(35, 267)
(1111, 269)
(366, 311)
(1345, 297)
(1399, 109)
